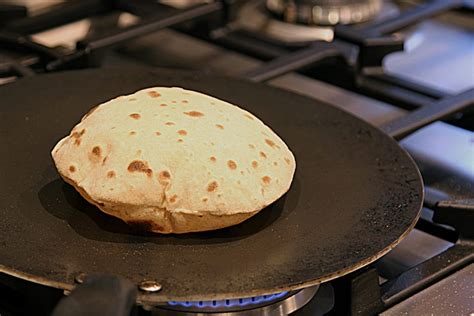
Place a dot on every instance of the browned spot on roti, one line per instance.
(77, 136)
(271, 143)
(212, 186)
(180, 140)
(132, 99)
(182, 132)
(263, 155)
(139, 166)
(104, 160)
(254, 164)
(96, 151)
(72, 168)
(164, 175)
(287, 160)
(212, 144)
(213, 159)
(231, 164)
(101, 204)
(194, 113)
(163, 104)
(173, 198)
(157, 133)
(135, 116)
(266, 180)
(220, 126)
(252, 146)
(169, 123)
(132, 133)
(154, 94)
(111, 174)
(242, 172)
(248, 116)
(174, 101)
(185, 101)
(204, 199)
(275, 163)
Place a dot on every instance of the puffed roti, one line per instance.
(172, 160)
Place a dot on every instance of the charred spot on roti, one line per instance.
(205, 199)
(157, 133)
(254, 164)
(185, 101)
(271, 143)
(164, 175)
(135, 116)
(182, 132)
(266, 179)
(194, 113)
(104, 160)
(101, 203)
(211, 187)
(139, 166)
(180, 140)
(111, 174)
(72, 168)
(132, 133)
(77, 136)
(154, 94)
(163, 104)
(96, 151)
(231, 164)
(263, 155)
(220, 126)
(213, 159)
(169, 123)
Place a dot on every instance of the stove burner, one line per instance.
(274, 304)
(324, 12)
(255, 17)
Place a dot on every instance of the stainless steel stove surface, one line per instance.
(431, 271)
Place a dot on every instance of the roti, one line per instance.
(170, 160)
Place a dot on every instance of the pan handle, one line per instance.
(99, 295)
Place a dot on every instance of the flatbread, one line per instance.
(174, 161)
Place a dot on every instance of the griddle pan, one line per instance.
(354, 197)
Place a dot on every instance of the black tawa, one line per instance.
(355, 195)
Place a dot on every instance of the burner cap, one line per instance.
(324, 12)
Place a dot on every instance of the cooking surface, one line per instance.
(353, 197)
(442, 151)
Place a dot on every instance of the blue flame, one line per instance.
(241, 302)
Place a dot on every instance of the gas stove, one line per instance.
(382, 61)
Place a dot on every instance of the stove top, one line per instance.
(389, 68)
